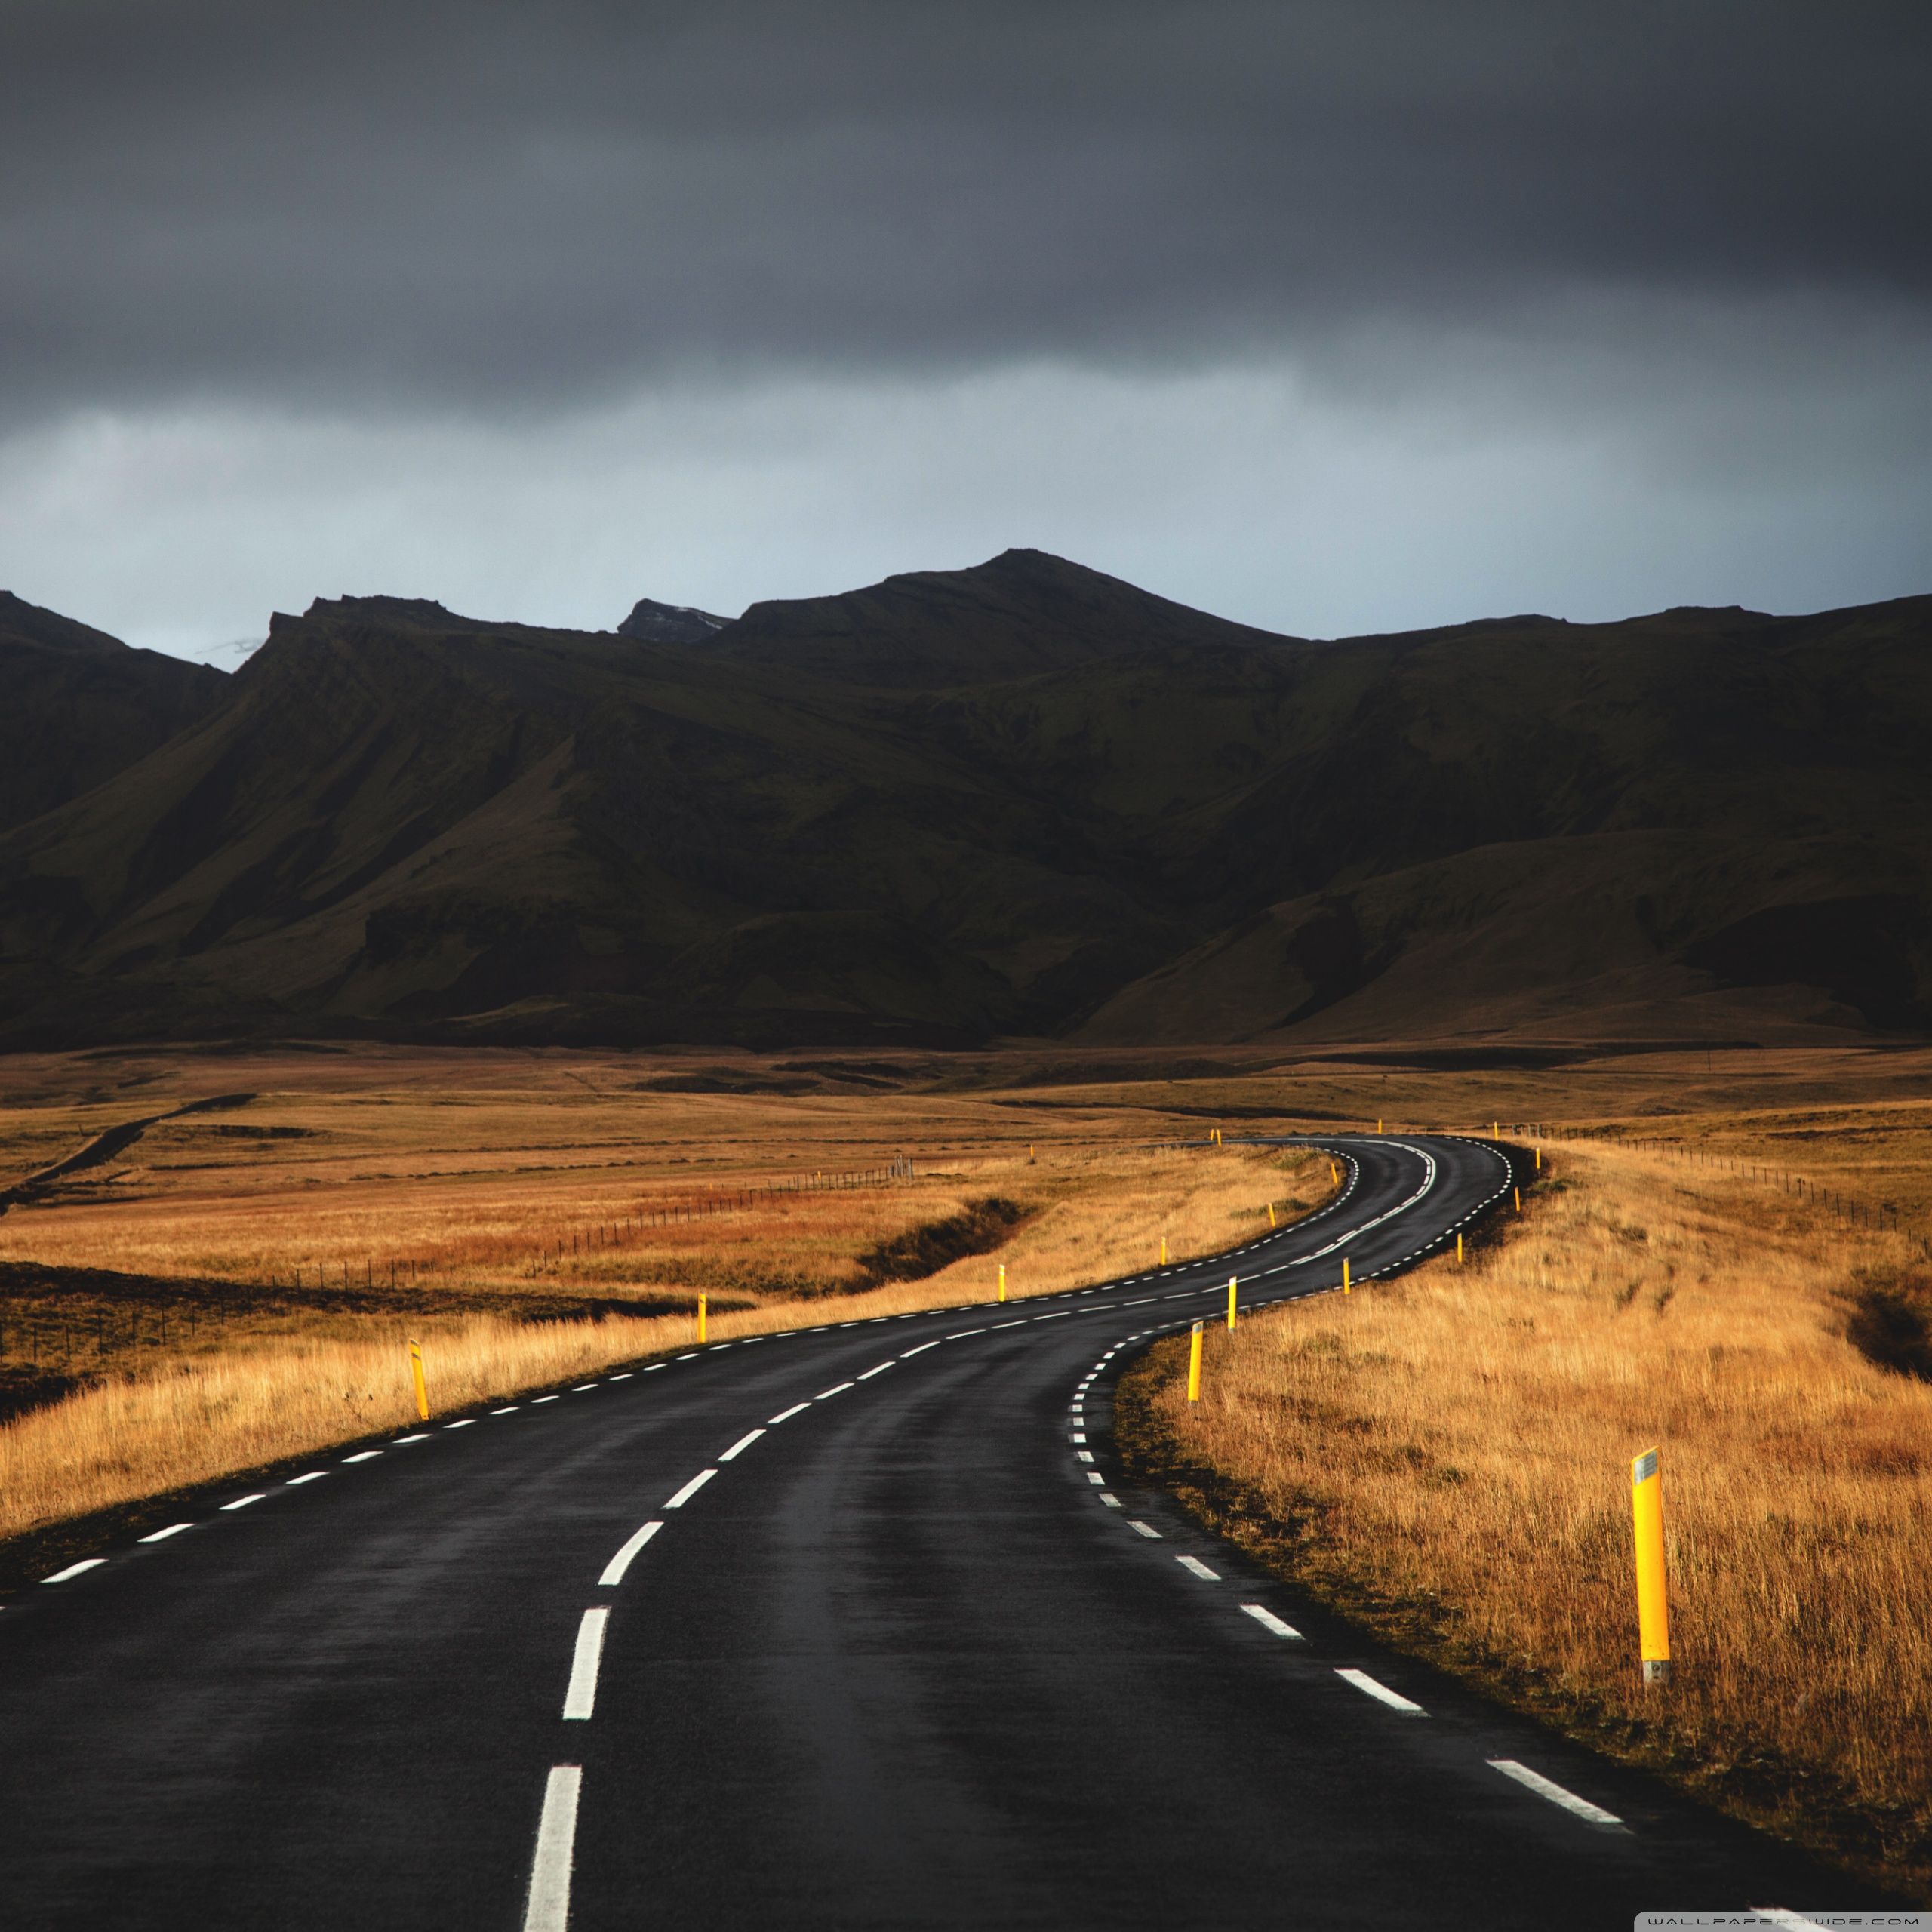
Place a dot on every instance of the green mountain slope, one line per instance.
(1021, 798)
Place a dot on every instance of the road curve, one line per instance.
(902, 1652)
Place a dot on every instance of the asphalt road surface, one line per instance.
(852, 1628)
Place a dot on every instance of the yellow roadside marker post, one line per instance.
(1002, 1281)
(1164, 1251)
(1232, 1280)
(415, 1375)
(1495, 1130)
(1334, 1175)
(1652, 1608)
(1519, 1200)
(701, 1325)
(1459, 1250)
(1270, 1214)
(1194, 1365)
(1539, 1155)
(1378, 1123)
(1345, 1273)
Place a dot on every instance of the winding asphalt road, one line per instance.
(851, 1628)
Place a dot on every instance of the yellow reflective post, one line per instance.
(1194, 1365)
(1002, 1281)
(1345, 1273)
(1459, 1250)
(1378, 1123)
(1495, 1130)
(1539, 1154)
(1334, 1175)
(1519, 1200)
(1653, 1609)
(701, 1301)
(1270, 1214)
(1231, 1282)
(1164, 1251)
(415, 1375)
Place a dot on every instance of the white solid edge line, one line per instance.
(1381, 1692)
(825, 1395)
(74, 1569)
(242, 1502)
(548, 1908)
(1267, 1618)
(1548, 1788)
(314, 1475)
(363, 1456)
(785, 1415)
(1194, 1565)
(690, 1489)
(1146, 1529)
(739, 1448)
(161, 1536)
(613, 1570)
(581, 1698)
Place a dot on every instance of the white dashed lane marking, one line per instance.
(580, 1698)
(785, 1415)
(1381, 1692)
(837, 1388)
(613, 1570)
(739, 1448)
(1194, 1566)
(74, 1570)
(161, 1536)
(242, 1502)
(879, 1371)
(314, 1475)
(1146, 1529)
(548, 1907)
(690, 1489)
(1549, 1788)
(366, 1456)
(1269, 1621)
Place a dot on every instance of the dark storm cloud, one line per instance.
(499, 208)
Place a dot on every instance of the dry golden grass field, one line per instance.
(238, 1284)
(1446, 1455)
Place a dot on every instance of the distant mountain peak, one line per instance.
(412, 610)
(670, 623)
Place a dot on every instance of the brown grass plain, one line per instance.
(237, 1286)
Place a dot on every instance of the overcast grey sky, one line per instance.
(1329, 316)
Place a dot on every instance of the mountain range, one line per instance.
(1021, 799)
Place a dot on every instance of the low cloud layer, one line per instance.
(1670, 257)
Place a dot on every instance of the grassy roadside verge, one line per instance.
(1444, 1460)
(80, 1474)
